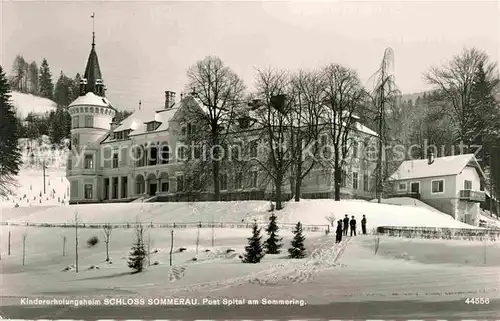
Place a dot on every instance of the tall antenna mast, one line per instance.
(93, 28)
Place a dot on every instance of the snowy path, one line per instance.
(325, 256)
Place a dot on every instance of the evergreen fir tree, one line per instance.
(45, 82)
(75, 90)
(63, 91)
(297, 251)
(137, 257)
(254, 251)
(10, 155)
(273, 243)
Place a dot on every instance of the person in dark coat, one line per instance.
(346, 224)
(363, 224)
(338, 232)
(352, 223)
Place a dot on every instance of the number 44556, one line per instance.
(477, 301)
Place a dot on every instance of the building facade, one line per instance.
(451, 184)
(142, 158)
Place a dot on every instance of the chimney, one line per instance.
(430, 158)
(169, 99)
(114, 125)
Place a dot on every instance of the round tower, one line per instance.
(91, 116)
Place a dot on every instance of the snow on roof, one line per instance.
(138, 119)
(92, 99)
(442, 166)
(27, 103)
(362, 128)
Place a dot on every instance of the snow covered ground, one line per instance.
(309, 212)
(349, 271)
(29, 192)
(27, 103)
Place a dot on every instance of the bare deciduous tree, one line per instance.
(276, 122)
(455, 81)
(343, 95)
(25, 235)
(219, 90)
(307, 126)
(107, 230)
(76, 240)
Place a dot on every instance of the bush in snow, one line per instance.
(273, 243)
(297, 251)
(137, 256)
(254, 251)
(93, 241)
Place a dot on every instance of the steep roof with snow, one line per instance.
(27, 103)
(442, 166)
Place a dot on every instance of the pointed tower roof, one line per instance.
(92, 77)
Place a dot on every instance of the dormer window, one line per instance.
(152, 126)
(244, 122)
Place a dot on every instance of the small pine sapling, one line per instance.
(273, 243)
(297, 251)
(137, 256)
(254, 250)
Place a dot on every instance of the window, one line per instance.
(115, 160)
(164, 186)
(253, 179)
(183, 154)
(115, 188)
(88, 191)
(151, 126)
(69, 163)
(124, 187)
(324, 141)
(153, 156)
(180, 183)
(365, 182)
(402, 187)
(75, 122)
(355, 180)
(223, 182)
(165, 154)
(236, 151)
(468, 185)
(89, 121)
(183, 131)
(438, 186)
(343, 181)
(89, 162)
(197, 152)
(355, 149)
(189, 129)
(238, 180)
(253, 148)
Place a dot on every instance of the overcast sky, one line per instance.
(144, 48)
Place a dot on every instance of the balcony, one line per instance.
(472, 196)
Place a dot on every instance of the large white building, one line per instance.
(107, 162)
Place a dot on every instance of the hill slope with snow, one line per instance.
(27, 103)
(309, 212)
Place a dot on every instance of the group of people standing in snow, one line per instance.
(343, 227)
